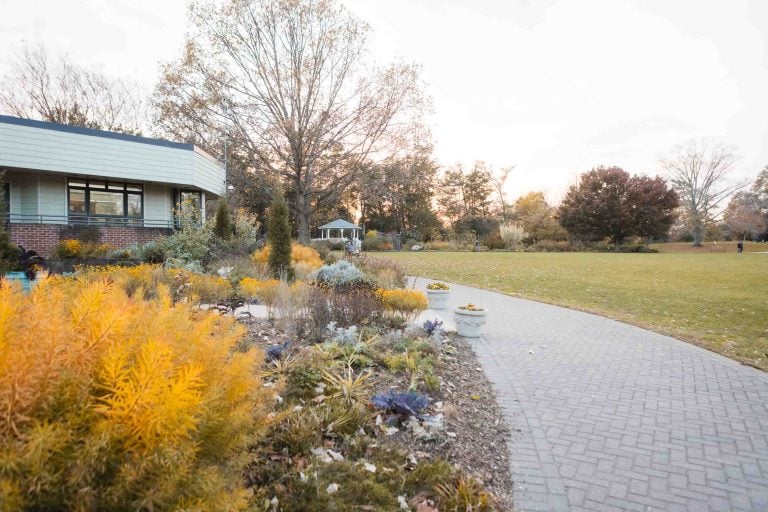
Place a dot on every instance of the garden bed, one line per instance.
(471, 436)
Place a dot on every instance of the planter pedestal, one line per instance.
(469, 324)
(438, 299)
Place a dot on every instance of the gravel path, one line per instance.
(607, 416)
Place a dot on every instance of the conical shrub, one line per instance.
(279, 237)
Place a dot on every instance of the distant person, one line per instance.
(740, 247)
(356, 246)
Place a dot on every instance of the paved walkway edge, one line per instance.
(606, 416)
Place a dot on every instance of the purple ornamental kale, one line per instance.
(431, 325)
(274, 352)
(404, 404)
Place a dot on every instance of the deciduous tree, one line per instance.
(60, 91)
(653, 204)
(499, 181)
(396, 195)
(465, 197)
(760, 187)
(700, 173)
(609, 203)
(743, 216)
(537, 218)
(296, 80)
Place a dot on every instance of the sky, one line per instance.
(551, 87)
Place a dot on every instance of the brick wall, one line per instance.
(44, 237)
(38, 237)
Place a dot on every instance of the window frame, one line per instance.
(177, 201)
(107, 186)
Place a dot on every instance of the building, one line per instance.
(67, 182)
(339, 227)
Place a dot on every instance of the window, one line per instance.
(92, 198)
(189, 206)
(192, 199)
(77, 202)
(134, 205)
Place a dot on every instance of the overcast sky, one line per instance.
(553, 87)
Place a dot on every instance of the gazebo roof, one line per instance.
(339, 224)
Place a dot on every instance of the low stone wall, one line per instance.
(43, 238)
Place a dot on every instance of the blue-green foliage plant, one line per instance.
(348, 336)
(342, 275)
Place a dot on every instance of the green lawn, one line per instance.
(717, 300)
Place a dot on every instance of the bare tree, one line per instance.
(760, 187)
(743, 216)
(60, 91)
(699, 171)
(296, 80)
(499, 181)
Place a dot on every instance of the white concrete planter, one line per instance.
(438, 299)
(469, 324)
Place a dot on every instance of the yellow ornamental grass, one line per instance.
(109, 402)
(302, 256)
(207, 289)
(406, 302)
(183, 284)
(145, 278)
(264, 290)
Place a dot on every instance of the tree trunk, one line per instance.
(303, 218)
(698, 234)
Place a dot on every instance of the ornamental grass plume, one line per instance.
(512, 234)
(112, 402)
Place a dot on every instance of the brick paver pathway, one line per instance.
(607, 416)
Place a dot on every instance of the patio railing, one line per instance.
(84, 220)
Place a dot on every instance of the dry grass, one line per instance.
(717, 300)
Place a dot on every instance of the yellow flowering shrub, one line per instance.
(75, 249)
(68, 249)
(109, 402)
(404, 301)
(304, 257)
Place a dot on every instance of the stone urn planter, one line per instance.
(470, 320)
(438, 294)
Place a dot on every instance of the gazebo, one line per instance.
(341, 227)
